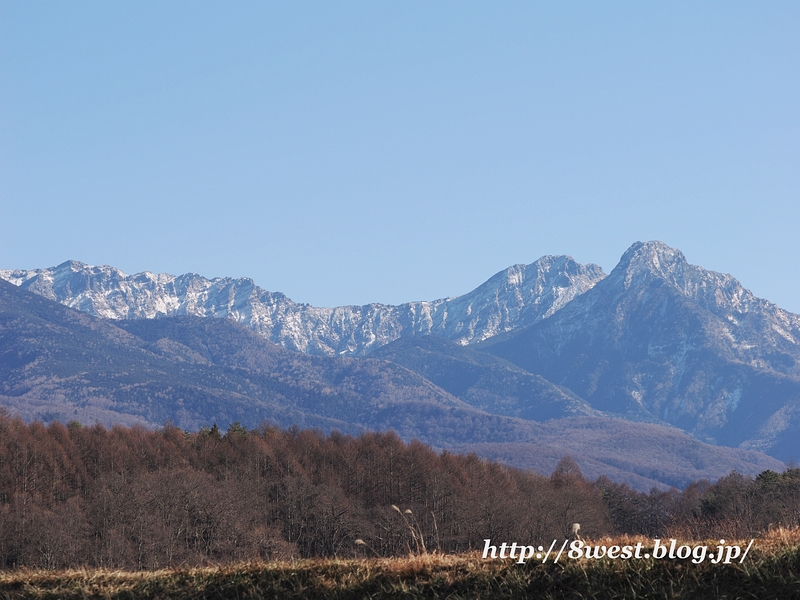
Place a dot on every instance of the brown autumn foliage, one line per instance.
(133, 498)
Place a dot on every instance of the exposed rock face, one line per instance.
(754, 330)
(516, 297)
(662, 340)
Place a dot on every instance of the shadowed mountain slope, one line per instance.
(483, 380)
(58, 363)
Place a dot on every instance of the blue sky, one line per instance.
(392, 151)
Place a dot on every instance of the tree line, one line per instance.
(133, 498)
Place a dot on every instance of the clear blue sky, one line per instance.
(393, 151)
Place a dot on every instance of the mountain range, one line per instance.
(519, 296)
(656, 374)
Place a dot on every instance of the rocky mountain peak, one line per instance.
(644, 261)
(718, 293)
(548, 283)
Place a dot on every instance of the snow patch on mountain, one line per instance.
(757, 331)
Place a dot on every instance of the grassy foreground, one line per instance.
(771, 570)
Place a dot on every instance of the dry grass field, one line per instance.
(770, 570)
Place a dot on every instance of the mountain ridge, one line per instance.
(517, 296)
